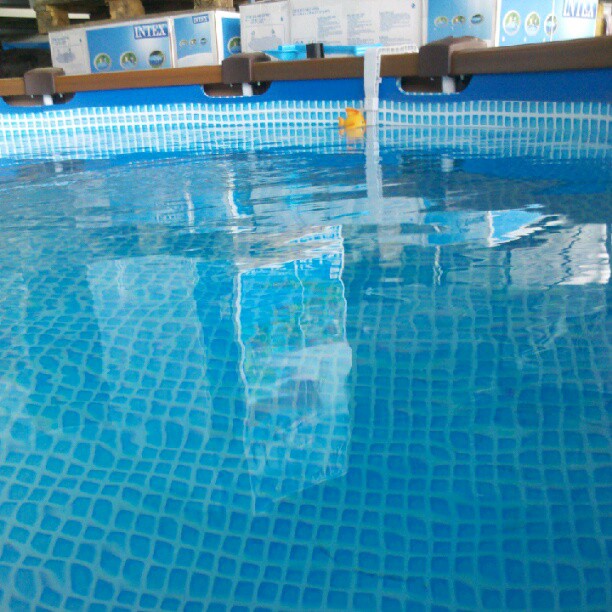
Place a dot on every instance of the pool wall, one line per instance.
(580, 100)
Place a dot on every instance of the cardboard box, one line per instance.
(133, 45)
(574, 19)
(399, 21)
(460, 18)
(165, 41)
(356, 22)
(385, 22)
(265, 25)
(204, 39)
(322, 21)
(521, 22)
(69, 51)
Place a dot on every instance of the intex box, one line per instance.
(207, 38)
(385, 22)
(460, 18)
(544, 20)
(141, 45)
(356, 22)
(165, 41)
(319, 21)
(265, 25)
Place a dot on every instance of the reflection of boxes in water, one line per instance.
(292, 322)
(165, 41)
(264, 25)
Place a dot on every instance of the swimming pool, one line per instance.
(300, 371)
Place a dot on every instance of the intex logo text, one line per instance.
(200, 19)
(587, 9)
(151, 30)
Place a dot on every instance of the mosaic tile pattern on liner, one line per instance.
(152, 501)
(131, 467)
(177, 126)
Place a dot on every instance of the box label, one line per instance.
(150, 30)
(69, 51)
(574, 19)
(205, 39)
(461, 18)
(545, 20)
(400, 22)
(361, 23)
(580, 9)
(264, 26)
(318, 21)
(231, 41)
(520, 22)
(356, 22)
(193, 36)
(130, 47)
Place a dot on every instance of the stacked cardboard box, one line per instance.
(164, 41)
(266, 25)
(521, 22)
(460, 18)
(208, 37)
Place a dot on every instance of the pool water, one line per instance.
(349, 375)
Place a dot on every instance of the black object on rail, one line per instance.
(315, 51)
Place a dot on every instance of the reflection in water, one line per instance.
(569, 255)
(153, 345)
(15, 427)
(356, 379)
(291, 317)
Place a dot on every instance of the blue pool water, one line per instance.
(339, 376)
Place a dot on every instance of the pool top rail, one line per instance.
(581, 54)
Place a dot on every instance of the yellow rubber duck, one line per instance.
(354, 120)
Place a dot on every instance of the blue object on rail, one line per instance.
(298, 52)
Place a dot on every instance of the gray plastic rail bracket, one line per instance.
(41, 81)
(435, 57)
(239, 67)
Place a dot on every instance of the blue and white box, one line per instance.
(460, 18)
(574, 19)
(521, 22)
(137, 45)
(205, 39)
(165, 41)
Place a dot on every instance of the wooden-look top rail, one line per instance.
(581, 54)
(165, 77)
(334, 68)
(589, 53)
(12, 87)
